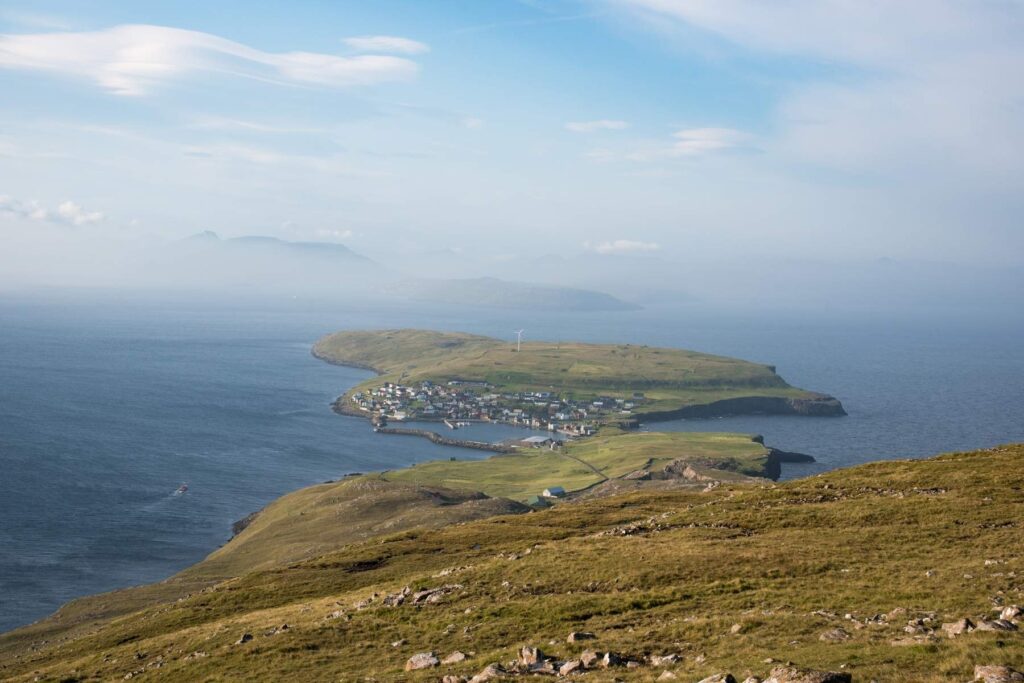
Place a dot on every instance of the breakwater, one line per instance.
(446, 441)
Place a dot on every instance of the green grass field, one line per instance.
(725, 578)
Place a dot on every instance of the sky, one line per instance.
(687, 131)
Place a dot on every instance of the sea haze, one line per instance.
(107, 407)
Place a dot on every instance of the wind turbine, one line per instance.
(519, 340)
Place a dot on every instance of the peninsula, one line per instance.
(568, 387)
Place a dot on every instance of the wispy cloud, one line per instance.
(67, 212)
(133, 59)
(387, 44)
(594, 126)
(621, 247)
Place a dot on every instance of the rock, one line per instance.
(399, 643)
(491, 672)
(579, 636)
(719, 678)
(835, 635)
(667, 676)
(610, 659)
(453, 679)
(958, 627)
(792, 674)
(246, 637)
(455, 658)
(997, 674)
(589, 658)
(632, 664)
(530, 656)
(664, 660)
(1011, 612)
(996, 625)
(930, 573)
(751, 679)
(572, 666)
(423, 660)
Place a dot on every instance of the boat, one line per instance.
(181, 489)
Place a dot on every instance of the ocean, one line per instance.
(108, 404)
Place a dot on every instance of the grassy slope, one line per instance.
(854, 541)
(671, 378)
(587, 462)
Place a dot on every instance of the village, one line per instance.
(462, 401)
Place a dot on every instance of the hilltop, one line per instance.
(867, 572)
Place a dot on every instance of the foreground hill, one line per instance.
(854, 571)
(674, 382)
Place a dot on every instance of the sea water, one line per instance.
(108, 405)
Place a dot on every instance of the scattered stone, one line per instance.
(491, 672)
(930, 573)
(572, 666)
(792, 674)
(589, 659)
(246, 637)
(579, 636)
(632, 664)
(664, 660)
(997, 674)
(610, 659)
(736, 628)
(399, 643)
(530, 656)
(423, 660)
(958, 627)
(1011, 612)
(835, 635)
(455, 658)
(751, 679)
(454, 679)
(667, 676)
(996, 625)
(719, 678)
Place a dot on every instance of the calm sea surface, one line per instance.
(107, 407)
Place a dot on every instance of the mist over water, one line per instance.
(109, 403)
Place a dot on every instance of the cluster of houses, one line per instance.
(459, 400)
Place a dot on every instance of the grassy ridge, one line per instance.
(650, 572)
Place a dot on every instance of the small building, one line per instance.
(538, 502)
(554, 492)
(536, 441)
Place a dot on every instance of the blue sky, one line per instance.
(682, 129)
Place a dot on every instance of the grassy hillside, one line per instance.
(825, 572)
(670, 378)
(585, 463)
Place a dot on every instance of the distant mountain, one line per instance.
(489, 291)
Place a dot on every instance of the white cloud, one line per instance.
(67, 212)
(324, 233)
(472, 122)
(391, 44)
(621, 247)
(133, 59)
(686, 143)
(594, 126)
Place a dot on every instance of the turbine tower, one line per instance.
(519, 340)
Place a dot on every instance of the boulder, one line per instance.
(490, 673)
(610, 659)
(719, 678)
(835, 635)
(579, 636)
(958, 627)
(751, 679)
(792, 674)
(455, 658)
(996, 625)
(667, 676)
(664, 660)
(1011, 612)
(736, 628)
(572, 666)
(245, 638)
(423, 660)
(589, 658)
(997, 674)
(453, 679)
(530, 656)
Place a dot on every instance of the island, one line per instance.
(567, 387)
